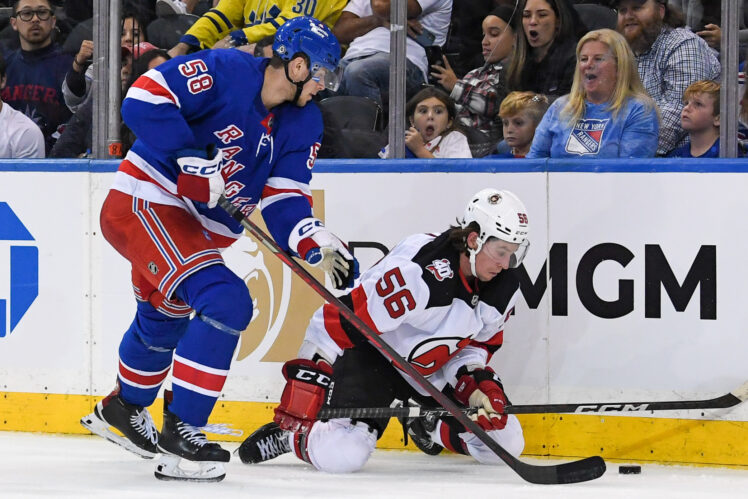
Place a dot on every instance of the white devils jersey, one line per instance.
(425, 308)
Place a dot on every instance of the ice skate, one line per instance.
(133, 421)
(419, 429)
(180, 440)
(267, 442)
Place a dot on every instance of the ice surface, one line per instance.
(42, 465)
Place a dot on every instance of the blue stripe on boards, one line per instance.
(651, 165)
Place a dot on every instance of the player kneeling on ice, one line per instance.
(441, 301)
(218, 122)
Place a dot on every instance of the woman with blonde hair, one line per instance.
(607, 114)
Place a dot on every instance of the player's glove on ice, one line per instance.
(321, 248)
(482, 389)
(200, 177)
(307, 384)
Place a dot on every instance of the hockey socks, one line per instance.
(449, 437)
(201, 365)
(145, 353)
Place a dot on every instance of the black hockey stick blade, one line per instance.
(578, 471)
(727, 400)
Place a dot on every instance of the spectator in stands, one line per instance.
(432, 133)
(706, 23)
(77, 85)
(76, 139)
(144, 61)
(546, 34)
(365, 26)
(520, 115)
(19, 136)
(463, 47)
(669, 59)
(36, 70)
(608, 114)
(239, 22)
(700, 118)
(175, 7)
(478, 95)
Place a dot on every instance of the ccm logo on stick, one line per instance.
(612, 408)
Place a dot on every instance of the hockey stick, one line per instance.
(576, 471)
(730, 399)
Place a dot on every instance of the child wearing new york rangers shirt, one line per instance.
(599, 133)
(700, 118)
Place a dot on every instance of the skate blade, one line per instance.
(101, 428)
(209, 471)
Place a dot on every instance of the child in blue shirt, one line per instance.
(520, 113)
(700, 118)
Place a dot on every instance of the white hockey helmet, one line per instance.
(499, 214)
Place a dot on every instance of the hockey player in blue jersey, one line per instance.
(212, 123)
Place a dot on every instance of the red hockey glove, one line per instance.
(200, 176)
(482, 389)
(307, 384)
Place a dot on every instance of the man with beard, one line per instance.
(36, 70)
(669, 59)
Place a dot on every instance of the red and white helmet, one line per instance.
(499, 214)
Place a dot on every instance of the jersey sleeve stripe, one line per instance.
(222, 17)
(153, 83)
(334, 328)
(285, 183)
(272, 195)
(360, 307)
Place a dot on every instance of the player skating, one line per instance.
(207, 124)
(441, 301)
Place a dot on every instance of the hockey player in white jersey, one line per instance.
(441, 301)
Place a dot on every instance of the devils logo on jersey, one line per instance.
(429, 356)
(441, 269)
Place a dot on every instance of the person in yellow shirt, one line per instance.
(239, 22)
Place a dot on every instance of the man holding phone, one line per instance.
(365, 26)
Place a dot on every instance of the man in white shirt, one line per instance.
(19, 136)
(365, 26)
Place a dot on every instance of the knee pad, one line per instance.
(337, 446)
(156, 330)
(219, 295)
(510, 438)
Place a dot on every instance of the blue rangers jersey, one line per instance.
(214, 97)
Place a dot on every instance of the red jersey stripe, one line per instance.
(360, 301)
(153, 87)
(334, 328)
(268, 191)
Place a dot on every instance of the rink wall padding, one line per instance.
(633, 290)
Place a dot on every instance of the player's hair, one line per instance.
(535, 105)
(704, 87)
(427, 93)
(457, 236)
(628, 83)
